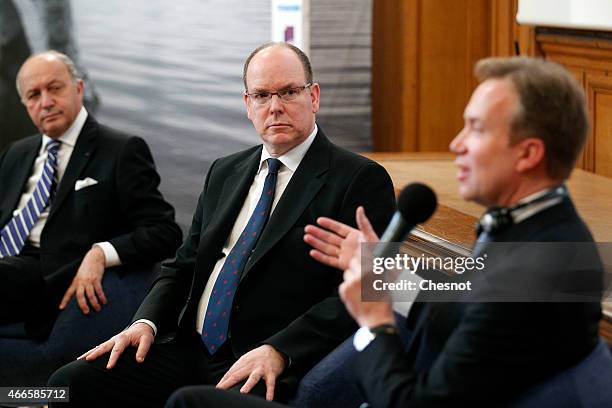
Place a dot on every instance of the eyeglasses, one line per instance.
(285, 95)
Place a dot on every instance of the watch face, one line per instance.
(362, 338)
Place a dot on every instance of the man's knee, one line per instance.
(65, 376)
(208, 396)
(192, 396)
(74, 376)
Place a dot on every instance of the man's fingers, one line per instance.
(324, 236)
(88, 353)
(80, 297)
(364, 225)
(250, 383)
(323, 245)
(335, 226)
(237, 372)
(231, 377)
(143, 347)
(67, 296)
(116, 351)
(100, 293)
(91, 296)
(324, 259)
(98, 350)
(270, 383)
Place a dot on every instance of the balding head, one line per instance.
(51, 90)
(51, 54)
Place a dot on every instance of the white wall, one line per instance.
(583, 14)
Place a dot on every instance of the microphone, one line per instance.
(416, 203)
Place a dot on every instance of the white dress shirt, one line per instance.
(68, 141)
(290, 160)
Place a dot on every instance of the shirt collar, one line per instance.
(293, 157)
(72, 134)
(521, 214)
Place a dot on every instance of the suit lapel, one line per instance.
(234, 192)
(303, 187)
(26, 158)
(82, 153)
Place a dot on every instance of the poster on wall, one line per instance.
(290, 22)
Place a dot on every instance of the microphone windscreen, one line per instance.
(417, 202)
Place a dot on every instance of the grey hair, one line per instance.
(75, 76)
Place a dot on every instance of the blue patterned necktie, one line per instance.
(15, 233)
(216, 322)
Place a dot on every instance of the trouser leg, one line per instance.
(208, 396)
(167, 367)
(22, 288)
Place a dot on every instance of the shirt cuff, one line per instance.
(110, 253)
(362, 338)
(150, 323)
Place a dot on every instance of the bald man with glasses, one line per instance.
(243, 306)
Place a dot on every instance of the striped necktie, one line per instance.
(14, 234)
(216, 322)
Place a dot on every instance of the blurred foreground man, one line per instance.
(74, 200)
(525, 125)
(243, 306)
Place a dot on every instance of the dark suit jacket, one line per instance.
(124, 208)
(284, 298)
(486, 353)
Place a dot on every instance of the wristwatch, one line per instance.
(364, 336)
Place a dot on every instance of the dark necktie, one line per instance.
(15, 233)
(216, 322)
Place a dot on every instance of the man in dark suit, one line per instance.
(74, 200)
(524, 128)
(525, 125)
(243, 305)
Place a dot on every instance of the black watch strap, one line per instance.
(384, 329)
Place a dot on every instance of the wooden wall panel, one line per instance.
(588, 56)
(442, 73)
(600, 148)
(394, 93)
(503, 30)
(603, 136)
(579, 75)
(423, 56)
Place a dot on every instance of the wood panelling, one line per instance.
(423, 56)
(394, 74)
(598, 151)
(603, 133)
(503, 27)
(588, 56)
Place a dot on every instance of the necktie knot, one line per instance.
(53, 146)
(273, 165)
